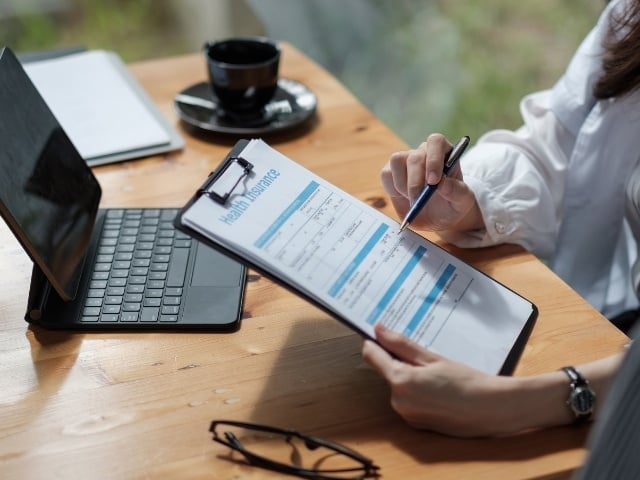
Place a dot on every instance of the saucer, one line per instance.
(292, 105)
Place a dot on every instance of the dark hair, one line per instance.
(621, 59)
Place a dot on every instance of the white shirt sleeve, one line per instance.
(518, 178)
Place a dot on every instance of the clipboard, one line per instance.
(402, 279)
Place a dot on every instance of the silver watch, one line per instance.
(582, 398)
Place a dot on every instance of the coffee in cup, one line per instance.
(243, 73)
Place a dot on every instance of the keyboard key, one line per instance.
(158, 275)
(91, 311)
(135, 288)
(149, 314)
(131, 307)
(98, 284)
(152, 302)
(119, 273)
(111, 309)
(133, 297)
(129, 317)
(115, 291)
(93, 302)
(155, 284)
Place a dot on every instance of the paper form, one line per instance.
(352, 258)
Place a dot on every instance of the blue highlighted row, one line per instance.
(286, 214)
(355, 263)
(428, 302)
(396, 284)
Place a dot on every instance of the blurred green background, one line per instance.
(454, 66)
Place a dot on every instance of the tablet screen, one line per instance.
(48, 195)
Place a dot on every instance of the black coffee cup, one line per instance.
(243, 73)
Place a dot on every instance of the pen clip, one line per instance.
(455, 152)
(226, 179)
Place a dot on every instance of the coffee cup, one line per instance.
(243, 73)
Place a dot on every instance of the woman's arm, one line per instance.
(431, 392)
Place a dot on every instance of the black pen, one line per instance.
(449, 162)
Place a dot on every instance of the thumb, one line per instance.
(456, 191)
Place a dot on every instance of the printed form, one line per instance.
(353, 259)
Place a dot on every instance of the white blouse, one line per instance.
(557, 185)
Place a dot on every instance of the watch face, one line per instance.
(582, 400)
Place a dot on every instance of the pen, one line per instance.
(449, 162)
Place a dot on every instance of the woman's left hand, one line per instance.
(431, 392)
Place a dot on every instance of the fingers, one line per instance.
(378, 358)
(381, 355)
(394, 182)
(403, 348)
(457, 193)
(416, 171)
(437, 148)
(407, 172)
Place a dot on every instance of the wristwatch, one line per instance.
(582, 398)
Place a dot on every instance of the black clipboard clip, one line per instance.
(226, 178)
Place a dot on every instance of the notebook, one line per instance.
(354, 262)
(88, 91)
(94, 268)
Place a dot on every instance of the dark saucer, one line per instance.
(292, 105)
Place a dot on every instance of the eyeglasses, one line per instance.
(279, 450)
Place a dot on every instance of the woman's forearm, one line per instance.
(541, 400)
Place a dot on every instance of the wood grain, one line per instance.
(138, 405)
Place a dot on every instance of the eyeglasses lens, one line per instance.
(292, 452)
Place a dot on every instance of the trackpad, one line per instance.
(213, 269)
(212, 306)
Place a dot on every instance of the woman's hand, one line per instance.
(431, 392)
(452, 207)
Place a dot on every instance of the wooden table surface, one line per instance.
(138, 405)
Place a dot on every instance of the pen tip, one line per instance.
(403, 225)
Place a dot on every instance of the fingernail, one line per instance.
(432, 178)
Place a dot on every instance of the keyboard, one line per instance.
(139, 270)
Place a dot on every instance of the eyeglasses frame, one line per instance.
(368, 469)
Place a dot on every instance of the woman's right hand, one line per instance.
(452, 207)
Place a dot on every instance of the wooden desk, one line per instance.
(115, 405)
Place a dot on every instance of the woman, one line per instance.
(565, 186)
(556, 185)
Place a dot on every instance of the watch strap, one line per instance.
(581, 397)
